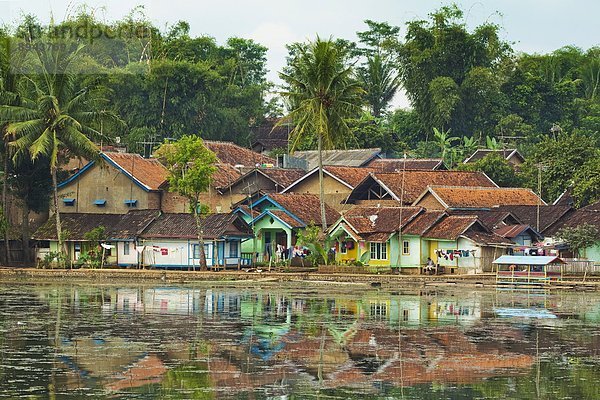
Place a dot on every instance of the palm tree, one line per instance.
(444, 142)
(380, 81)
(323, 94)
(54, 117)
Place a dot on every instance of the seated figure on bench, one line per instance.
(430, 266)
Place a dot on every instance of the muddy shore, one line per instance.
(121, 276)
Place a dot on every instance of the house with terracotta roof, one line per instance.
(407, 186)
(369, 236)
(338, 182)
(171, 241)
(511, 155)
(462, 197)
(232, 154)
(269, 136)
(115, 184)
(589, 215)
(276, 220)
(342, 158)
(121, 232)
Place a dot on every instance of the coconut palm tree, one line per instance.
(323, 95)
(54, 116)
(380, 81)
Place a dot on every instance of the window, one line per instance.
(131, 203)
(196, 251)
(233, 249)
(343, 248)
(378, 251)
(126, 248)
(68, 202)
(405, 247)
(100, 202)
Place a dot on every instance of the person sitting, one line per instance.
(430, 266)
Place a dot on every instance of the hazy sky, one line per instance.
(532, 25)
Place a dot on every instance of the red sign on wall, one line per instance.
(164, 252)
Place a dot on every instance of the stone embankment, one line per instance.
(390, 281)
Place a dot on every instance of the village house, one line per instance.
(120, 235)
(171, 241)
(276, 220)
(513, 156)
(586, 215)
(269, 136)
(406, 186)
(115, 184)
(147, 238)
(338, 182)
(369, 236)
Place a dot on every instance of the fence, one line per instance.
(575, 266)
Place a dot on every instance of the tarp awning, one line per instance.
(529, 260)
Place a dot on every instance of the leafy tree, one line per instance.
(554, 162)
(444, 142)
(324, 95)
(497, 168)
(190, 166)
(443, 66)
(580, 237)
(586, 182)
(380, 81)
(59, 117)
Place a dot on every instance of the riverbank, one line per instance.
(120, 276)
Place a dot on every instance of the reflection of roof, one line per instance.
(183, 226)
(348, 158)
(528, 260)
(148, 370)
(484, 197)
(231, 153)
(399, 164)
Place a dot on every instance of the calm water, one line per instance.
(272, 342)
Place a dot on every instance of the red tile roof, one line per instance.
(511, 231)
(398, 164)
(451, 227)
(306, 207)
(225, 175)
(415, 182)
(379, 223)
(549, 216)
(147, 171)
(423, 222)
(231, 153)
(351, 175)
(483, 197)
(283, 177)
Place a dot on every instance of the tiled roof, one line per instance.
(491, 218)
(183, 226)
(285, 217)
(368, 221)
(348, 158)
(117, 226)
(270, 136)
(482, 153)
(586, 215)
(224, 175)
(486, 238)
(398, 164)
(283, 177)
(451, 227)
(306, 207)
(148, 171)
(423, 222)
(351, 175)
(132, 224)
(511, 231)
(484, 197)
(231, 153)
(415, 182)
(528, 214)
